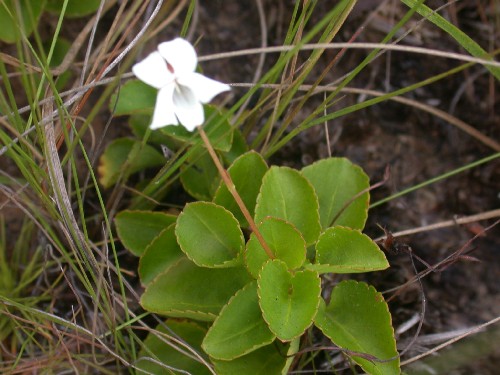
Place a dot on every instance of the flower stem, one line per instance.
(232, 189)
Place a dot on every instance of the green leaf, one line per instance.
(126, 156)
(268, 360)
(283, 239)
(61, 48)
(14, 24)
(133, 97)
(136, 229)
(345, 250)
(239, 329)
(358, 319)
(209, 235)
(286, 194)
(185, 290)
(463, 39)
(218, 129)
(200, 177)
(160, 254)
(139, 123)
(238, 148)
(246, 172)
(156, 347)
(289, 302)
(75, 8)
(336, 182)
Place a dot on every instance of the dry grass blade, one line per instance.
(368, 46)
(73, 233)
(447, 223)
(467, 333)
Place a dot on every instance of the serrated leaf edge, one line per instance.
(255, 347)
(360, 170)
(377, 294)
(228, 263)
(119, 232)
(257, 203)
(316, 309)
(146, 250)
(245, 250)
(362, 269)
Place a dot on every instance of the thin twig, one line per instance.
(262, 57)
(469, 332)
(390, 47)
(447, 223)
(447, 261)
(232, 189)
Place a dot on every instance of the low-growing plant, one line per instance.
(238, 272)
(249, 275)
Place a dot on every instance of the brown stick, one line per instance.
(232, 189)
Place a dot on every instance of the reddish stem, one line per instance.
(232, 189)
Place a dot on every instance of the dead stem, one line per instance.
(232, 189)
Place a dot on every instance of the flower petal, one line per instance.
(188, 109)
(153, 71)
(164, 109)
(204, 88)
(180, 54)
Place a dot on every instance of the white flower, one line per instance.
(171, 69)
